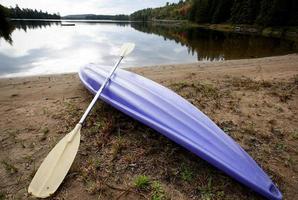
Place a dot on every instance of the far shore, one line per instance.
(255, 101)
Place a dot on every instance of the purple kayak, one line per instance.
(171, 115)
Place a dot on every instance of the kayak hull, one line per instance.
(171, 115)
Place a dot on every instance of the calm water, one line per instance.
(41, 47)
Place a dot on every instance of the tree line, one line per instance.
(259, 12)
(97, 17)
(26, 13)
(174, 11)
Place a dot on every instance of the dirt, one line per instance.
(254, 101)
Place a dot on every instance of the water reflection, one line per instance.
(45, 47)
(215, 46)
(5, 30)
(25, 25)
(7, 27)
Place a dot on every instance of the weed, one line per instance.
(45, 133)
(94, 187)
(284, 96)
(250, 129)
(89, 170)
(117, 147)
(9, 167)
(95, 128)
(250, 84)
(46, 130)
(179, 86)
(97, 164)
(295, 79)
(73, 110)
(289, 162)
(295, 135)
(186, 173)
(279, 146)
(209, 90)
(203, 89)
(220, 194)
(142, 182)
(45, 111)
(206, 190)
(158, 192)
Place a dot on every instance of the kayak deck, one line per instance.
(171, 115)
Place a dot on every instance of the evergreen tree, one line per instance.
(274, 12)
(222, 11)
(293, 15)
(27, 13)
(245, 11)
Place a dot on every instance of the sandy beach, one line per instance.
(255, 101)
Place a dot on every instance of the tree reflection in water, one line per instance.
(7, 27)
(213, 45)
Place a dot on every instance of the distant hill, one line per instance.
(97, 17)
(82, 16)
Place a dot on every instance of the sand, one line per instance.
(253, 100)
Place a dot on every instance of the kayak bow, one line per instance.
(171, 115)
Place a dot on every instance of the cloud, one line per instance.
(66, 7)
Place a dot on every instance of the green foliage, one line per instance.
(186, 173)
(293, 15)
(142, 182)
(157, 191)
(261, 12)
(27, 13)
(222, 11)
(5, 28)
(206, 191)
(245, 11)
(174, 11)
(4, 12)
(274, 12)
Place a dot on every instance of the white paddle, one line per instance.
(55, 166)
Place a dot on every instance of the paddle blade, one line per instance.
(126, 49)
(56, 165)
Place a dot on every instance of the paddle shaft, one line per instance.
(99, 92)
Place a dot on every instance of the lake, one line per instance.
(48, 47)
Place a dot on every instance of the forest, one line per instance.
(258, 12)
(97, 17)
(26, 13)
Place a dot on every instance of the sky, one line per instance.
(67, 7)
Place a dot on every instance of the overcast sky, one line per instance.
(66, 7)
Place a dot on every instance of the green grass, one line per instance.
(280, 147)
(142, 182)
(206, 191)
(186, 173)
(157, 191)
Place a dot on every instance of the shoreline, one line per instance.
(135, 68)
(282, 32)
(252, 100)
